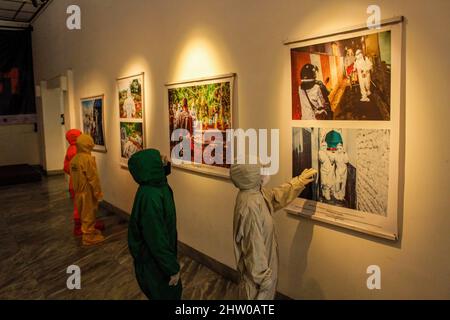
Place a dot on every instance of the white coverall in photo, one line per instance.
(341, 172)
(317, 101)
(128, 105)
(327, 172)
(363, 65)
(255, 244)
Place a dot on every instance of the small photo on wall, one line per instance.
(352, 165)
(131, 139)
(92, 112)
(343, 79)
(131, 99)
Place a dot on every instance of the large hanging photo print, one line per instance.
(200, 112)
(343, 79)
(346, 123)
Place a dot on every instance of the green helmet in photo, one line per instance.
(333, 138)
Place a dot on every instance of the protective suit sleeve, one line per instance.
(71, 152)
(279, 197)
(322, 156)
(92, 177)
(156, 237)
(253, 250)
(66, 165)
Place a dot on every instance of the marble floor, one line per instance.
(37, 246)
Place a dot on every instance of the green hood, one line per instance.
(146, 167)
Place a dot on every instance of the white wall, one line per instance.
(181, 39)
(53, 132)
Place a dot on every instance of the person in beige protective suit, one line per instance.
(88, 191)
(255, 245)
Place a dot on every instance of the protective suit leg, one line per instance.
(247, 290)
(87, 207)
(340, 186)
(154, 289)
(364, 85)
(326, 190)
(76, 216)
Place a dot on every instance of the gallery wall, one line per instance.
(184, 39)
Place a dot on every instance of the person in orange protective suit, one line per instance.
(71, 137)
(86, 185)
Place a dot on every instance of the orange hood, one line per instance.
(72, 135)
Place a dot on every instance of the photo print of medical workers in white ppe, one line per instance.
(130, 94)
(343, 79)
(353, 166)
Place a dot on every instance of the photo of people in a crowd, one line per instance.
(201, 108)
(346, 79)
(92, 119)
(353, 166)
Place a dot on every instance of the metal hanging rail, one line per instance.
(363, 27)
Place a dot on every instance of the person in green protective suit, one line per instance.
(152, 232)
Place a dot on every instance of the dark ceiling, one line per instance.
(20, 10)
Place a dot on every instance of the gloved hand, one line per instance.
(307, 176)
(174, 280)
(164, 159)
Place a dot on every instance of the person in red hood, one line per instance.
(71, 137)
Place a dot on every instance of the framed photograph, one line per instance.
(92, 118)
(203, 110)
(344, 78)
(131, 97)
(131, 139)
(355, 178)
(130, 92)
(346, 123)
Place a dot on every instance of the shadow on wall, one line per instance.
(298, 260)
(298, 255)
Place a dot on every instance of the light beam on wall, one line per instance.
(198, 58)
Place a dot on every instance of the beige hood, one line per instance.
(246, 176)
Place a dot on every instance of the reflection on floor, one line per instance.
(37, 246)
